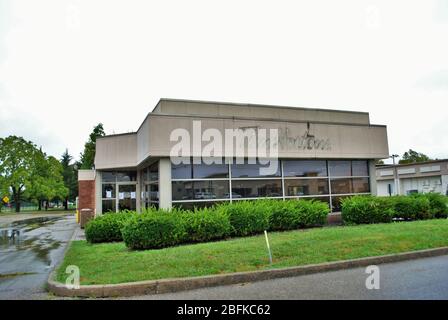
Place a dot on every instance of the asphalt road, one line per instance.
(415, 279)
(29, 250)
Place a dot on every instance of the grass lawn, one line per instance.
(42, 212)
(114, 263)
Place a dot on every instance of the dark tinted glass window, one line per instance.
(154, 172)
(340, 168)
(360, 168)
(126, 176)
(341, 186)
(200, 190)
(154, 192)
(255, 170)
(181, 171)
(107, 176)
(108, 206)
(108, 191)
(210, 171)
(306, 187)
(256, 188)
(304, 168)
(361, 185)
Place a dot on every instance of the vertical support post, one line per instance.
(372, 178)
(98, 193)
(138, 193)
(165, 189)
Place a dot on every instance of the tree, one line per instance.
(69, 175)
(17, 164)
(47, 180)
(4, 191)
(88, 156)
(412, 156)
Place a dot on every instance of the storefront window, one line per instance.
(126, 176)
(107, 176)
(154, 172)
(256, 188)
(253, 170)
(361, 185)
(200, 190)
(360, 168)
(181, 171)
(108, 191)
(304, 168)
(108, 206)
(340, 168)
(126, 197)
(306, 187)
(341, 186)
(210, 171)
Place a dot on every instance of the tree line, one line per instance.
(28, 173)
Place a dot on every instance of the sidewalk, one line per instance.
(79, 234)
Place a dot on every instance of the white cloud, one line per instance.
(70, 64)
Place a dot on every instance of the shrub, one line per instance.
(366, 209)
(412, 207)
(205, 224)
(312, 213)
(246, 217)
(284, 216)
(294, 214)
(154, 230)
(107, 228)
(438, 204)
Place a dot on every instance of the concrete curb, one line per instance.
(182, 284)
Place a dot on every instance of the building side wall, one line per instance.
(345, 141)
(217, 109)
(119, 151)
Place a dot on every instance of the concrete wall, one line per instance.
(119, 151)
(345, 141)
(240, 110)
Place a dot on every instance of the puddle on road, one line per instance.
(25, 235)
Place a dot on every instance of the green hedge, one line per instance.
(438, 204)
(246, 217)
(295, 214)
(411, 207)
(205, 224)
(162, 228)
(366, 209)
(371, 209)
(152, 231)
(107, 228)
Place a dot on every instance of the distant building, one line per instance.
(403, 179)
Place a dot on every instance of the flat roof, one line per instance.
(239, 104)
(385, 166)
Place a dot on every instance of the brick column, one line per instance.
(86, 184)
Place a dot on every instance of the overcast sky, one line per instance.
(66, 65)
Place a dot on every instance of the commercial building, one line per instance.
(403, 179)
(323, 154)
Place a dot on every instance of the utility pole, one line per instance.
(396, 181)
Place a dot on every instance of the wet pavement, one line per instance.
(29, 250)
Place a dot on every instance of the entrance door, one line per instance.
(127, 197)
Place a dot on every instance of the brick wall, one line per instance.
(86, 197)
